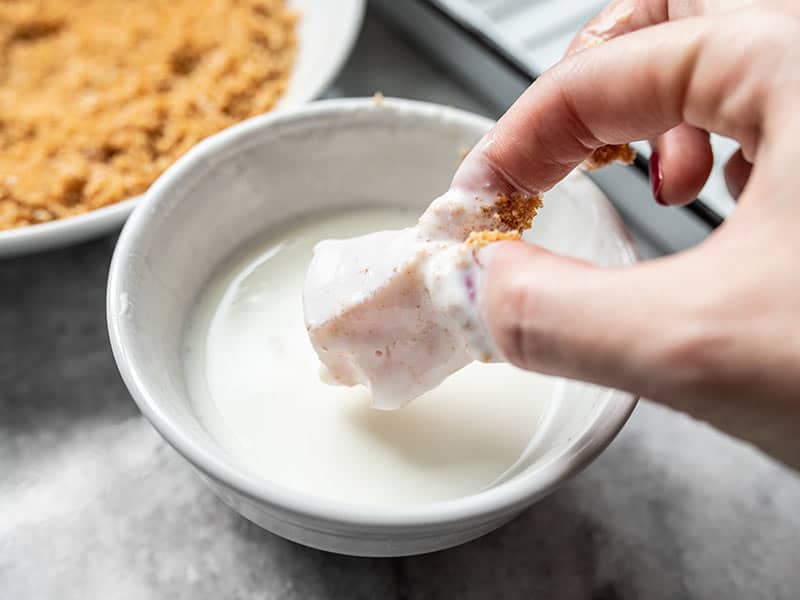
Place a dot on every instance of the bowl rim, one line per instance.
(66, 231)
(504, 499)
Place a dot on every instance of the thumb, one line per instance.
(563, 316)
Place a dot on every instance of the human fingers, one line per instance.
(623, 16)
(637, 86)
(737, 173)
(680, 164)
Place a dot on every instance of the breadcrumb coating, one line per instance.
(479, 239)
(606, 155)
(514, 212)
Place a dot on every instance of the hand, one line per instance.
(714, 330)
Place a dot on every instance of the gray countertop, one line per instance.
(93, 504)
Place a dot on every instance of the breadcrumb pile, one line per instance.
(98, 97)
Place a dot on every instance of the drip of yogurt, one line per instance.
(396, 311)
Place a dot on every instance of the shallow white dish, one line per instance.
(276, 167)
(327, 32)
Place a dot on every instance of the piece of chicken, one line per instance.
(395, 310)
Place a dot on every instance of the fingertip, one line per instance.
(680, 165)
(516, 293)
(737, 173)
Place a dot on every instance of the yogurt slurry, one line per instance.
(252, 375)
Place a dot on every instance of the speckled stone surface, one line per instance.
(93, 504)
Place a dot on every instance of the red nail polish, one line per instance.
(656, 178)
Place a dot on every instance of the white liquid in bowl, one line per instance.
(253, 377)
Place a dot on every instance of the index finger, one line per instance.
(632, 87)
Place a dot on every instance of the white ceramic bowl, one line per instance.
(273, 168)
(327, 32)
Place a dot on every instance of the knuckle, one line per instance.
(751, 55)
(573, 121)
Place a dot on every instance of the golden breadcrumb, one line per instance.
(479, 239)
(605, 155)
(98, 97)
(514, 212)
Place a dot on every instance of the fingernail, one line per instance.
(656, 178)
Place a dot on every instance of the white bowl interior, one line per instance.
(272, 169)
